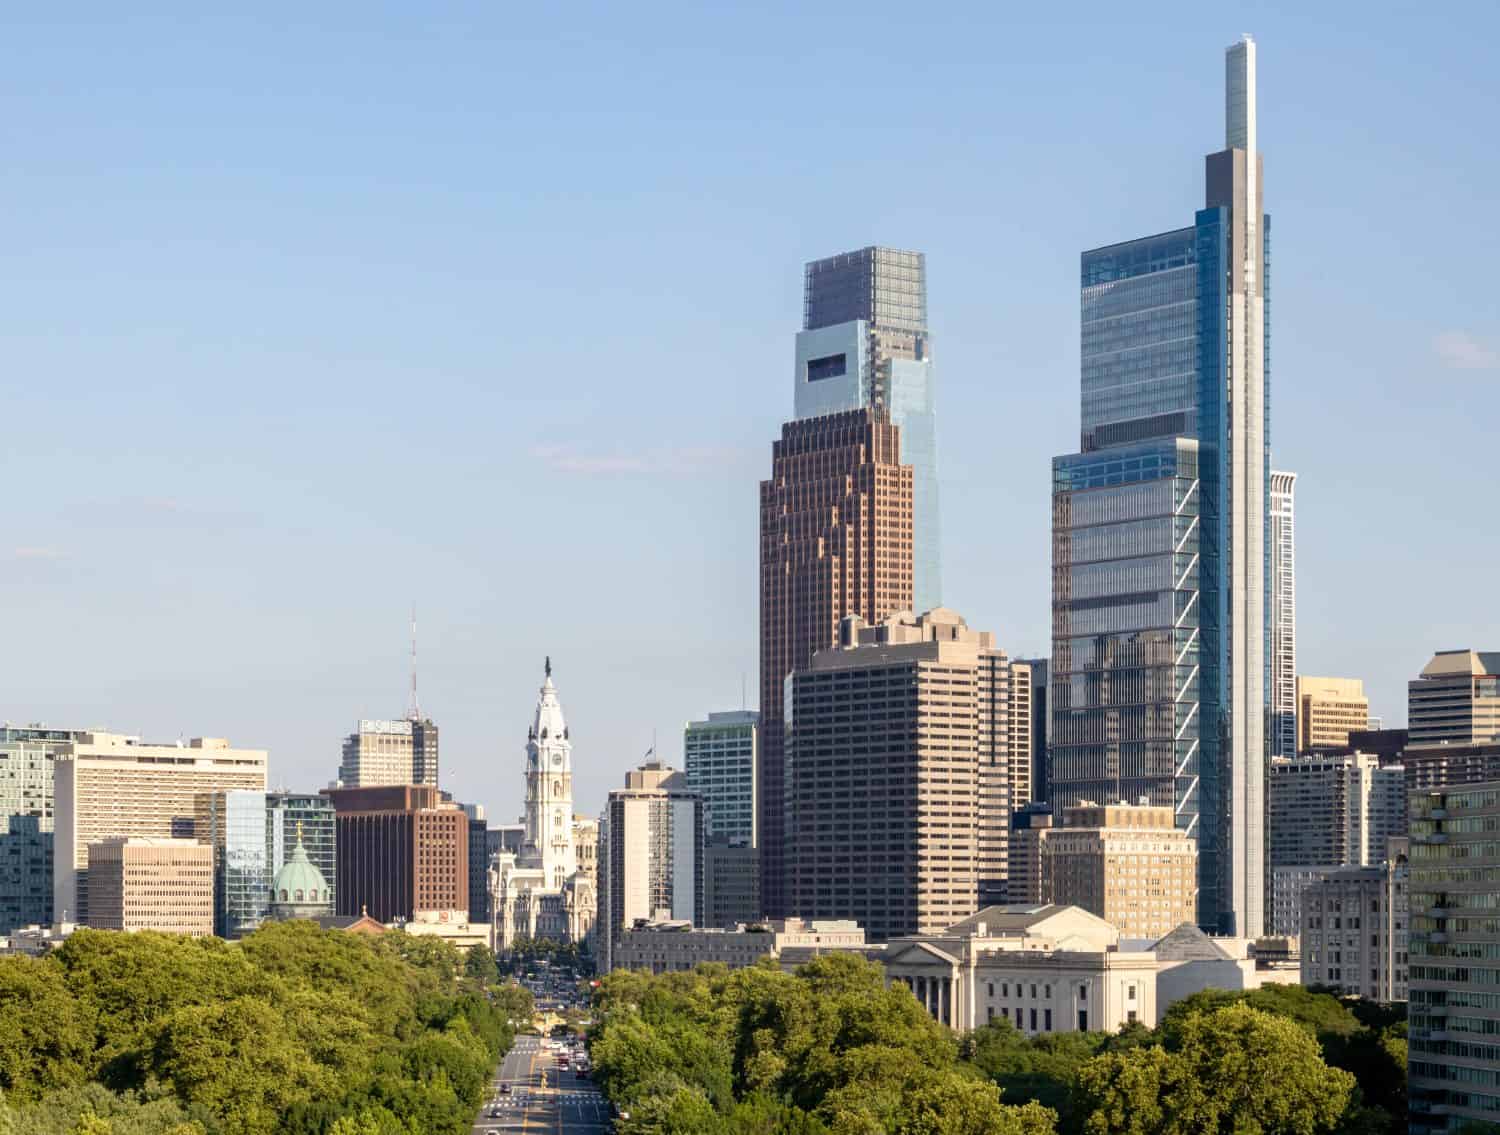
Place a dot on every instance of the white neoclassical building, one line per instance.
(540, 892)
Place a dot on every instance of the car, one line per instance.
(505, 1089)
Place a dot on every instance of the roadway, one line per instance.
(542, 1098)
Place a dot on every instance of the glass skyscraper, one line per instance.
(26, 817)
(1160, 561)
(719, 761)
(1283, 614)
(234, 823)
(865, 343)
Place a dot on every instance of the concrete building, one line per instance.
(1454, 986)
(110, 786)
(1024, 884)
(1354, 930)
(541, 892)
(667, 947)
(835, 540)
(1283, 739)
(1129, 864)
(381, 752)
(27, 814)
(1456, 700)
(1328, 710)
(151, 884)
(1324, 812)
(865, 343)
(731, 884)
(651, 855)
(402, 851)
(899, 754)
(1161, 596)
(719, 761)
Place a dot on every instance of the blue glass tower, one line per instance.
(1160, 664)
(865, 343)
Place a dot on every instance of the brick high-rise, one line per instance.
(835, 540)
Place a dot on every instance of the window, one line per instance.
(1033, 1020)
(1083, 1020)
(1130, 1017)
(1005, 989)
(829, 366)
(1018, 1016)
(1083, 993)
(1130, 993)
(1033, 991)
(1047, 1019)
(1047, 991)
(992, 989)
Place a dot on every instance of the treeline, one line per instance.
(294, 1030)
(830, 1050)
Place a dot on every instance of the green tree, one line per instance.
(46, 1033)
(479, 965)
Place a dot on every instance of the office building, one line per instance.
(540, 892)
(1130, 864)
(151, 884)
(719, 761)
(865, 343)
(479, 864)
(401, 851)
(651, 840)
(671, 947)
(898, 764)
(310, 817)
(835, 540)
(1328, 710)
(1161, 600)
(1324, 812)
(233, 823)
(731, 883)
(27, 812)
(390, 753)
(1453, 986)
(110, 785)
(1041, 728)
(1456, 700)
(1283, 614)
(1028, 827)
(1354, 930)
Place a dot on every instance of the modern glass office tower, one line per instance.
(1283, 614)
(233, 823)
(1160, 668)
(26, 817)
(719, 760)
(865, 343)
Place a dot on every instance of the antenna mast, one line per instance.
(414, 710)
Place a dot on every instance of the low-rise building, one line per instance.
(667, 946)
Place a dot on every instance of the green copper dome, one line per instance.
(299, 881)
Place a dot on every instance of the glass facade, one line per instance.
(234, 824)
(1126, 638)
(284, 811)
(1453, 977)
(719, 760)
(26, 819)
(865, 343)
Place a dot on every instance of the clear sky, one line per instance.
(304, 316)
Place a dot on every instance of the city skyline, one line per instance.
(226, 604)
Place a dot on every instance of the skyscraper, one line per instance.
(1456, 699)
(1160, 602)
(26, 817)
(835, 540)
(865, 343)
(402, 850)
(1283, 614)
(380, 753)
(718, 758)
(901, 745)
(1328, 710)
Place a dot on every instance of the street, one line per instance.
(542, 1097)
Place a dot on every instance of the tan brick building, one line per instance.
(835, 540)
(152, 884)
(897, 768)
(1127, 863)
(1327, 710)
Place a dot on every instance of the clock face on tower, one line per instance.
(557, 760)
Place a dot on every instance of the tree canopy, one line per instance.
(294, 1030)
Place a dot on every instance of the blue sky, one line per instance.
(306, 316)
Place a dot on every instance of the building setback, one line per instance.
(835, 540)
(402, 851)
(1161, 597)
(152, 884)
(1456, 699)
(111, 786)
(650, 855)
(899, 753)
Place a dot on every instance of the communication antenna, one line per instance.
(414, 710)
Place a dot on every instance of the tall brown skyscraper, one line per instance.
(835, 540)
